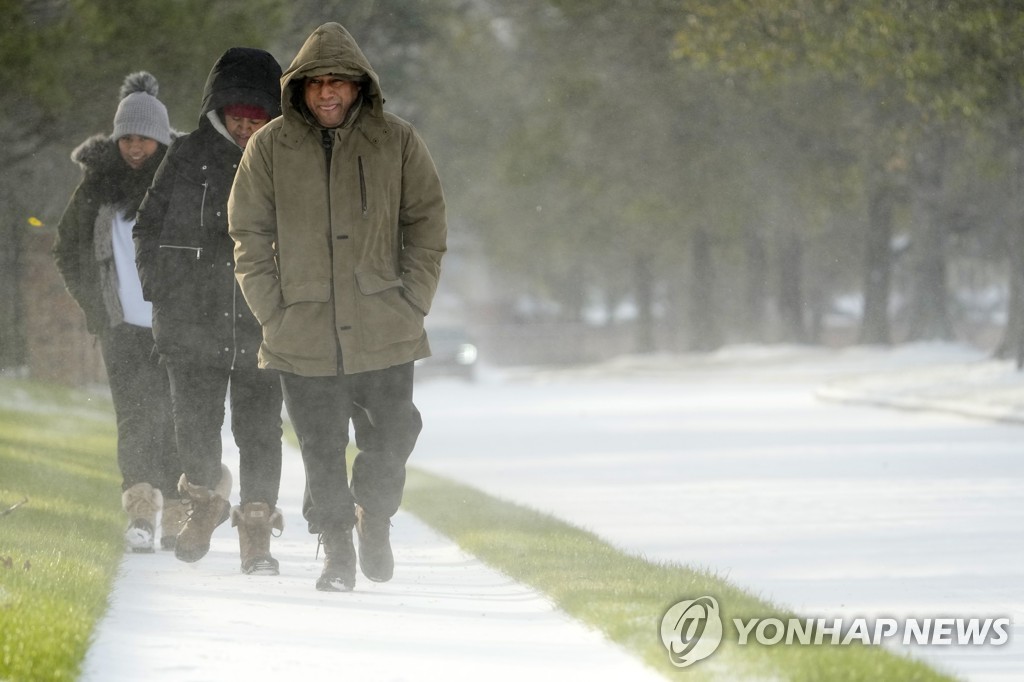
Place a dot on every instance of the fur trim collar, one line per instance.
(109, 179)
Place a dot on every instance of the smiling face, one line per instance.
(329, 98)
(136, 149)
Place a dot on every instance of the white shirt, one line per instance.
(137, 310)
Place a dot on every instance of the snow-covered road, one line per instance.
(832, 510)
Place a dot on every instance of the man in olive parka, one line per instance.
(338, 218)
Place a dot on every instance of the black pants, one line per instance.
(146, 451)
(198, 393)
(388, 424)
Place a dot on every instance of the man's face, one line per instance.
(329, 98)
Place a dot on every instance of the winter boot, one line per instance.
(210, 508)
(176, 511)
(339, 574)
(256, 521)
(376, 560)
(142, 503)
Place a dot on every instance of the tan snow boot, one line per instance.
(210, 508)
(256, 522)
(176, 511)
(142, 503)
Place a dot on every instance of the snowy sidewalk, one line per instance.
(444, 616)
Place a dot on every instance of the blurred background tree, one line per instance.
(662, 175)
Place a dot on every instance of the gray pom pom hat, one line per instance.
(140, 112)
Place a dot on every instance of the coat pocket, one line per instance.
(384, 315)
(301, 332)
(180, 277)
(316, 291)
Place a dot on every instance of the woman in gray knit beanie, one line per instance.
(96, 257)
(140, 112)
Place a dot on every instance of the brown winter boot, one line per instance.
(142, 503)
(256, 521)
(339, 574)
(376, 559)
(210, 508)
(176, 511)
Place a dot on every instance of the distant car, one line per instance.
(453, 353)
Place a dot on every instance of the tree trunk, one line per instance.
(753, 322)
(706, 334)
(929, 306)
(791, 295)
(643, 282)
(878, 265)
(12, 329)
(1012, 344)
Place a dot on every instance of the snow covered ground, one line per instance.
(757, 463)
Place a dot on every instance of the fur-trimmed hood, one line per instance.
(100, 152)
(109, 179)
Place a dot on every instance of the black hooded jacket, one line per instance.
(184, 254)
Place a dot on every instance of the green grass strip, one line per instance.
(625, 596)
(60, 550)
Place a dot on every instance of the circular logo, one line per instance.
(691, 630)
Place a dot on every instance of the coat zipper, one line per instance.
(328, 143)
(197, 249)
(362, 184)
(234, 324)
(202, 204)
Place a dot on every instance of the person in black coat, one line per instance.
(203, 328)
(94, 253)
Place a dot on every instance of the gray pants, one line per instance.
(146, 452)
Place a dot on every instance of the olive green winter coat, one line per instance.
(342, 257)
